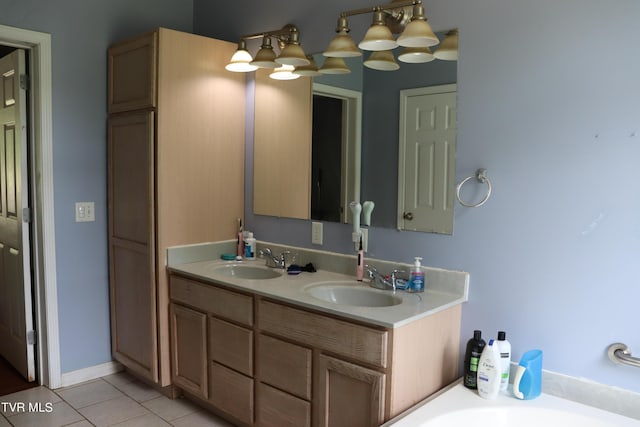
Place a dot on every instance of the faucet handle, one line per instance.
(263, 252)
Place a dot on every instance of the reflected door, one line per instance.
(427, 159)
(16, 316)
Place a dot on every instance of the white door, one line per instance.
(427, 153)
(16, 316)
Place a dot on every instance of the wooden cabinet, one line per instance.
(282, 147)
(189, 360)
(175, 176)
(290, 366)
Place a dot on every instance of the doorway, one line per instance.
(40, 165)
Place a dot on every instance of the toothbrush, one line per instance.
(356, 208)
(240, 249)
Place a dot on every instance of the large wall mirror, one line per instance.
(378, 158)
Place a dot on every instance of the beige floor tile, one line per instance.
(40, 395)
(119, 378)
(4, 422)
(83, 423)
(201, 419)
(170, 409)
(149, 420)
(61, 414)
(138, 391)
(113, 411)
(89, 393)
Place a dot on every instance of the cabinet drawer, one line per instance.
(278, 409)
(231, 345)
(337, 336)
(285, 366)
(231, 392)
(221, 302)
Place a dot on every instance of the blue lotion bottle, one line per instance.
(416, 277)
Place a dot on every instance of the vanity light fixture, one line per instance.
(448, 49)
(405, 16)
(382, 60)
(310, 70)
(284, 72)
(291, 53)
(333, 65)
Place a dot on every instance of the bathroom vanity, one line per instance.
(264, 348)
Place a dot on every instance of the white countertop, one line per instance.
(291, 289)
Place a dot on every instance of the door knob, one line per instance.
(408, 216)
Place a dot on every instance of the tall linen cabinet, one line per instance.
(175, 176)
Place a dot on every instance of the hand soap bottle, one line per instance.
(416, 277)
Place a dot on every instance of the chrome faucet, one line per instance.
(275, 261)
(380, 281)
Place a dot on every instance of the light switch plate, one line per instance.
(85, 212)
(316, 233)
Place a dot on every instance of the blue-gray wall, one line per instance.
(549, 103)
(81, 31)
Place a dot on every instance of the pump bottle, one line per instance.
(471, 359)
(416, 277)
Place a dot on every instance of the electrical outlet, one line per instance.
(85, 212)
(316, 233)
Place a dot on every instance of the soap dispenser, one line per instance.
(416, 277)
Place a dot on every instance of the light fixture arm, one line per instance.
(381, 8)
(287, 34)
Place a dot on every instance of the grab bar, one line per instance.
(620, 354)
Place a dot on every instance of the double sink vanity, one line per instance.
(262, 347)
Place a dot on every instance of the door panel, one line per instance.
(427, 158)
(16, 320)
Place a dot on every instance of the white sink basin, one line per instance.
(243, 271)
(352, 293)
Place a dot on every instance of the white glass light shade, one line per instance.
(342, 46)
(241, 62)
(310, 70)
(416, 55)
(378, 36)
(284, 72)
(265, 58)
(418, 33)
(334, 65)
(448, 49)
(382, 61)
(292, 54)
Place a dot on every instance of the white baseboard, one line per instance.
(91, 373)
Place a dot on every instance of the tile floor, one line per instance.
(115, 400)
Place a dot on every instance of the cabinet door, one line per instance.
(349, 395)
(131, 242)
(189, 350)
(132, 74)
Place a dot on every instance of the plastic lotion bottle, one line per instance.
(504, 347)
(416, 277)
(471, 359)
(250, 246)
(489, 371)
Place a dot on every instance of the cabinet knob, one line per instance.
(408, 216)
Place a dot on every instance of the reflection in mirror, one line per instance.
(335, 169)
(380, 130)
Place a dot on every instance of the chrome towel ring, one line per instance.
(481, 175)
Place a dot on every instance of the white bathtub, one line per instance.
(458, 406)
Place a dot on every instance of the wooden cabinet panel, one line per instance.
(285, 366)
(231, 392)
(189, 350)
(337, 336)
(275, 408)
(220, 302)
(132, 74)
(282, 147)
(349, 395)
(231, 345)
